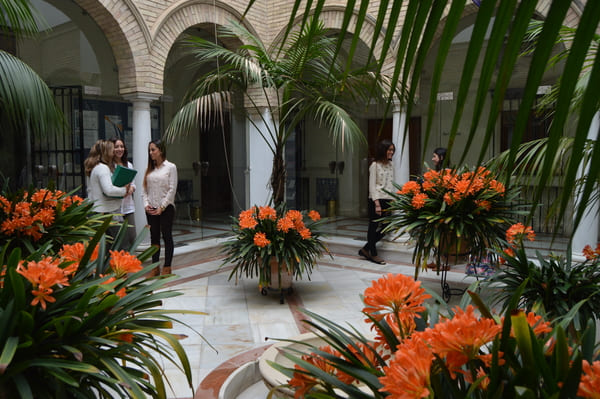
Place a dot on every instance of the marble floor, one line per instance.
(241, 323)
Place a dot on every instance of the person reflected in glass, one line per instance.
(128, 204)
(158, 196)
(381, 178)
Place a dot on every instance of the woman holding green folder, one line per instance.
(127, 204)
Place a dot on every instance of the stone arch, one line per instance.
(122, 27)
(541, 9)
(175, 20)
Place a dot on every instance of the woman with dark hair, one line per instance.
(381, 178)
(127, 205)
(158, 195)
(439, 159)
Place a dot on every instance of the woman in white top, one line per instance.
(158, 194)
(127, 204)
(99, 166)
(381, 178)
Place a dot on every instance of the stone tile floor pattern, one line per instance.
(241, 322)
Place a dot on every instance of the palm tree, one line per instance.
(509, 21)
(300, 77)
(26, 102)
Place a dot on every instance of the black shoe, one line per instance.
(364, 253)
(377, 259)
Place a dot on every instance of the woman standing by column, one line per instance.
(127, 205)
(158, 195)
(381, 178)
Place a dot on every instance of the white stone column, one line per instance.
(260, 158)
(141, 125)
(401, 159)
(587, 231)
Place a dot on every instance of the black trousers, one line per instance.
(162, 225)
(374, 234)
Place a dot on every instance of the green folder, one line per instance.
(123, 176)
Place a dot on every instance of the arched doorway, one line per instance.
(211, 159)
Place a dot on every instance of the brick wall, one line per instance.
(142, 32)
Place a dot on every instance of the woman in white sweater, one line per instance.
(381, 178)
(158, 194)
(99, 167)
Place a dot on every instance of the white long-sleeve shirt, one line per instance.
(161, 186)
(128, 204)
(106, 197)
(381, 177)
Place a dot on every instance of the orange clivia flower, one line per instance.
(408, 374)
(43, 275)
(459, 339)
(46, 216)
(301, 382)
(122, 262)
(497, 186)
(517, 232)
(261, 240)
(294, 215)
(247, 220)
(410, 186)
(314, 215)
(285, 224)
(267, 212)
(418, 200)
(485, 204)
(304, 233)
(589, 385)
(398, 295)
(591, 254)
(5, 205)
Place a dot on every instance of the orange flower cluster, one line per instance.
(29, 215)
(514, 236)
(454, 187)
(517, 232)
(397, 296)
(589, 386)
(261, 219)
(591, 254)
(43, 275)
(456, 341)
(122, 263)
(49, 273)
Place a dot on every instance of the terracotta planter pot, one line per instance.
(286, 275)
(455, 249)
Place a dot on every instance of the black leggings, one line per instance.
(162, 224)
(374, 233)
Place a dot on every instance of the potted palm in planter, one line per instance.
(275, 245)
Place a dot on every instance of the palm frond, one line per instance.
(18, 17)
(26, 99)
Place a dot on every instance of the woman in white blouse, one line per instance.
(381, 178)
(99, 167)
(158, 194)
(127, 205)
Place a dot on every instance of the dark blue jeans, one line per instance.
(162, 224)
